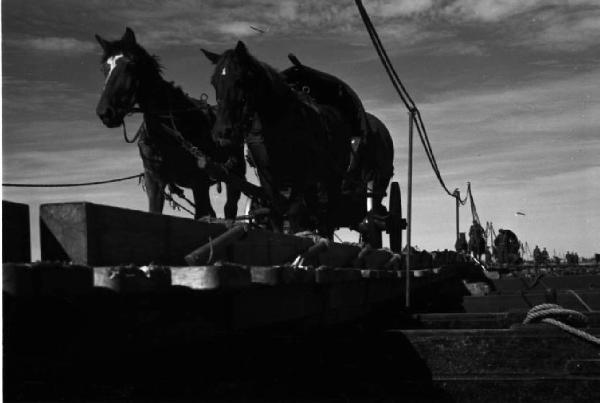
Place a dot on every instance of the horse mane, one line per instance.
(271, 75)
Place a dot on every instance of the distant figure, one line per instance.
(506, 247)
(572, 258)
(477, 240)
(461, 245)
(545, 257)
(537, 256)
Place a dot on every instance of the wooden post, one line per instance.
(411, 117)
(210, 251)
(457, 192)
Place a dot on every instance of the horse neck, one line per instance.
(157, 96)
(274, 96)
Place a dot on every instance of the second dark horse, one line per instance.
(133, 77)
(306, 145)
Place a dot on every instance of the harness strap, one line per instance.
(137, 135)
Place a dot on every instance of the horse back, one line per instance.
(380, 147)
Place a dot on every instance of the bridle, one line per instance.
(168, 114)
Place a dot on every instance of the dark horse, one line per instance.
(376, 161)
(306, 145)
(171, 118)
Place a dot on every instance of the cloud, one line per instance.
(237, 29)
(565, 32)
(57, 44)
(549, 25)
(546, 25)
(489, 10)
(456, 47)
(45, 99)
(507, 137)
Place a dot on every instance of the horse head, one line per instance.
(124, 62)
(234, 81)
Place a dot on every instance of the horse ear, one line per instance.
(128, 36)
(294, 60)
(213, 57)
(241, 49)
(103, 42)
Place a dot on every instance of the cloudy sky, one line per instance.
(509, 90)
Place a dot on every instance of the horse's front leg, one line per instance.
(155, 193)
(231, 205)
(237, 165)
(202, 200)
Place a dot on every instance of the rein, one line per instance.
(169, 115)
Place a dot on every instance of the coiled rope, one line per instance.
(565, 319)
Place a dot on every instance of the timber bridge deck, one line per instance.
(114, 313)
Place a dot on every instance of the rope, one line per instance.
(581, 301)
(542, 313)
(404, 96)
(473, 208)
(137, 135)
(64, 185)
(175, 205)
(210, 254)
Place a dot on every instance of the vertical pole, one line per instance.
(457, 207)
(411, 117)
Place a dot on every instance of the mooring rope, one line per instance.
(140, 176)
(63, 185)
(550, 313)
(581, 301)
(404, 96)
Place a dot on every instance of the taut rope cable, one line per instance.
(403, 93)
(62, 185)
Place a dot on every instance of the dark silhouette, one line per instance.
(537, 256)
(134, 77)
(461, 244)
(329, 90)
(506, 247)
(477, 240)
(295, 142)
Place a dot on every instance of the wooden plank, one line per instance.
(499, 351)
(46, 279)
(519, 388)
(265, 248)
(211, 277)
(502, 303)
(132, 280)
(260, 306)
(16, 243)
(511, 285)
(99, 235)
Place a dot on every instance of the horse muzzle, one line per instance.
(110, 117)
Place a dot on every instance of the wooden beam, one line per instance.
(97, 235)
(16, 242)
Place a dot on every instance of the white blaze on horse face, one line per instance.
(224, 71)
(112, 63)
